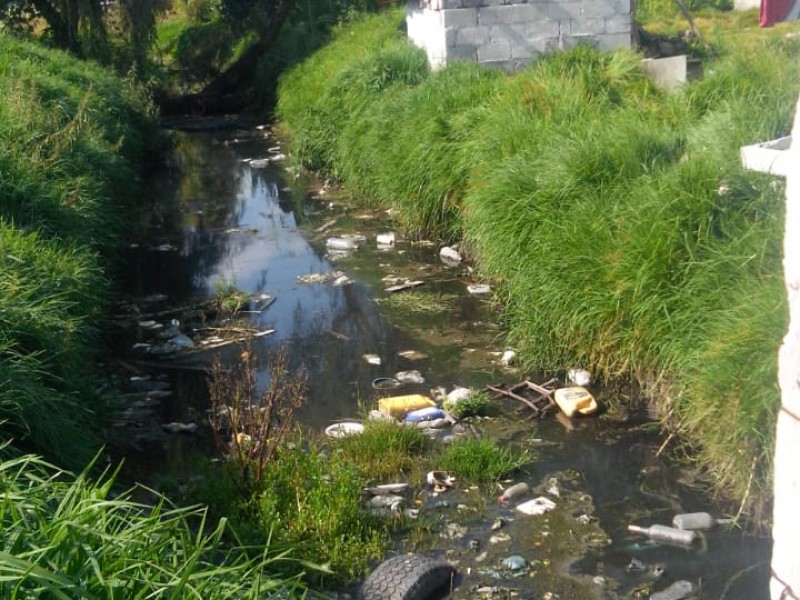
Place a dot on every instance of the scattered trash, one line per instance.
(180, 427)
(424, 414)
(411, 513)
(450, 256)
(574, 400)
(677, 591)
(508, 358)
(498, 524)
(399, 406)
(412, 355)
(372, 359)
(662, 533)
(475, 545)
(385, 239)
(499, 538)
(580, 377)
(697, 520)
(514, 562)
(479, 289)
(344, 429)
(440, 481)
(410, 377)
(405, 285)
(537, 506)
(515, 491)
(385, 383)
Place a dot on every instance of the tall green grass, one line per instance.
(72, 138)
(67, 537)
(617, 221)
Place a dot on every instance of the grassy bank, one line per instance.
(71, 138)
(616, 219)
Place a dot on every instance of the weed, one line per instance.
(480, 460)
(249, 424)
(229, 299)
(476, 405)
(385, 450)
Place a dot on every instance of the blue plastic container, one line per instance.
(424, 414)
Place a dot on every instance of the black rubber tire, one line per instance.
(408, 577)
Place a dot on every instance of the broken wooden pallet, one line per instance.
(540, 399)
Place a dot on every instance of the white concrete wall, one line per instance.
(509, 34)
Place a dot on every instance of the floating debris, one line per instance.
(342, 280)
(404, 285)
(514, 562)
(412, 376)
(344, 429)
(387, 488)
(509, 357)
(372, 359)
(258, 163)
(179, 427)
(479, 289)
(537, 506)
(412, 355)
(450, 256)
(440, 481)
(385, 239)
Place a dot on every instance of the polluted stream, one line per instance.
(230, 213)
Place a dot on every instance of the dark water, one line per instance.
(225, 222)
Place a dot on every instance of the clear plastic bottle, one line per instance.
(662, 533)
(697, 520)
(515, 491)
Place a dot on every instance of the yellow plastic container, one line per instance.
(574, 400)
(399, 406)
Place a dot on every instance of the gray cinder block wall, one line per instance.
(510, 33)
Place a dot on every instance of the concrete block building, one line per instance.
(510, 33)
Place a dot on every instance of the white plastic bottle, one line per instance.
(662, 533)
(515, 491)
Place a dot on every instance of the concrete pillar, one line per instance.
(785, 581)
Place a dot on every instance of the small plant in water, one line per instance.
(481, 460)
(228, 298)
(476, 405)
(249, 423)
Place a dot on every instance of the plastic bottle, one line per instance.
(516, 490)
(697, 520)
(662, 533)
